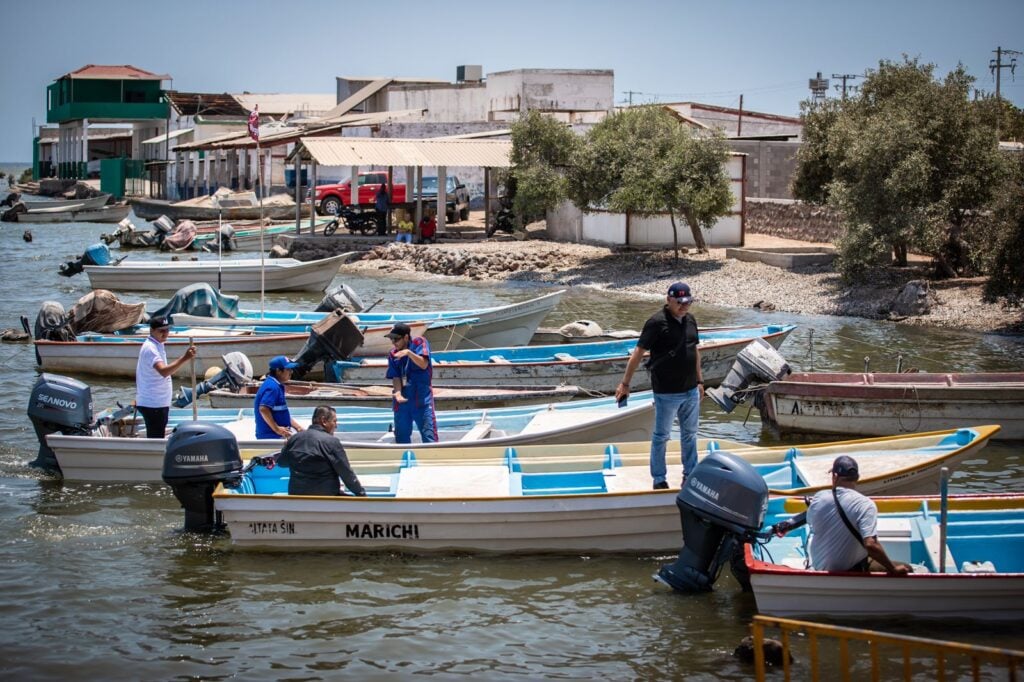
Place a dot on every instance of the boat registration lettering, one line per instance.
(404, 531)
(282, 527)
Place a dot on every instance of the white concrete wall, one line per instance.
(454, 103)
(551, 90)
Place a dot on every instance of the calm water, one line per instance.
(99, 584)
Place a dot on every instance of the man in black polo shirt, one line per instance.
(671, 337)
(317, 459)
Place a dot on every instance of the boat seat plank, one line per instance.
(635, 479)
(455, 482)
(479, 431)
(498, 360)
(930, 535)
(566, 357)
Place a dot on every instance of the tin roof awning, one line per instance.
(357, 151)
(160, 139)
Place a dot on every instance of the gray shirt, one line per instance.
(832, 547)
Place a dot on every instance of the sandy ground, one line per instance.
(713, 278)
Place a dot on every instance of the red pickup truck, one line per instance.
(329, 198)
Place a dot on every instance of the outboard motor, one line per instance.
(236, 373)
(722, 504)
(344, 298)
(333, 338)
(225, 240)
(758, 361)
(200, 455)
(58, 404)
(97, 254)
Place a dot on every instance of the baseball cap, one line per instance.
(158, 322)
(681, 292)
(398, 331)
(845, 467)
(282, 362)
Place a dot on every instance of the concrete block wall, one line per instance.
(770, 167)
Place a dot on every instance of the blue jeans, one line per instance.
(404, 237)
(667, 407)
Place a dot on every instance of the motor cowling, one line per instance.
(58, 404)
(722, 503)
(236, 373)
(344, 297)
(199, 456)
(757, 361)
(333, 338)
(97, 254)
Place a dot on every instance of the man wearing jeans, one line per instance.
(671, 338)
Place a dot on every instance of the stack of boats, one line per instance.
(94, 210)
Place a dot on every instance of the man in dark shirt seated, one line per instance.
(317, 459)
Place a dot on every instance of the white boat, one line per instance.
(982, 577)
(67, 204)
(573, 498)
(239, 275)
(103, 214)
(883, 404)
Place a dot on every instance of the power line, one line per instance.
(844, 77)
(996, 65)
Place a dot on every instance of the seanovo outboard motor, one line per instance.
(722, 504)
(236, 373)
(58, 405)
(97, 254)
(333, 338)
(344, 298)
(200, 455)
(758, 361)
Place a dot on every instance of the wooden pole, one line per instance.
(195, 398)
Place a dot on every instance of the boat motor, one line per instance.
(225, 240)
(333, 338)
(757, 361)
(344, 298)
(58, 404)
(722, 504)
(199, 456)
(236, 373)
(97, 254)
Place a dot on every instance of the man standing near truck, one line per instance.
(381, 203)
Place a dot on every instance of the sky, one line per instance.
(711, 51)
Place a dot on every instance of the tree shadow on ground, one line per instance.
(626, 267)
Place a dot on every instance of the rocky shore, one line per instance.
(714, 279)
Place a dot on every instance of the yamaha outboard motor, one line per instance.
(97, 254)
(757, 361)
(236, 373)
(333, 338)
(344, 298)
(199, 456)
(58, 405)
(722, 504)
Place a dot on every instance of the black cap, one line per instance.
(158, 322)
(399, 330)
(845, 466)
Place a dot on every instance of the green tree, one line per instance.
(542, 150)
(643, 161)
(1006, 280)
(910, 162)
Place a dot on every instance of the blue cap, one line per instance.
(282, 362)
(681, 292)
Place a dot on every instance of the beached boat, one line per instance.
(68, 204)
(883, 404)
(593, 366)
(117, 458)
(239, 275)
(575, 498)
(505, 325)
(274, 208)
(983, 576)
(71, 214)
(116, 355)
(304, 393)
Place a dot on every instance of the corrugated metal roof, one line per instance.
(357, 151)
(114, 72)
(160, 139)
(208, 103)
(476, 136)
(275, 104)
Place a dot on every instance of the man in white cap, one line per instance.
(153, 386)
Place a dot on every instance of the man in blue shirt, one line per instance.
(410, 371)
(271, 409)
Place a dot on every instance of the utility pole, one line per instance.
(845, 77)
(739, 120)
(996, 65)
(629, 94)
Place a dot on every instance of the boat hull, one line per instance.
(151, 209)
(105, 214)
(67, 204)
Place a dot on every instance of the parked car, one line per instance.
(329, 198)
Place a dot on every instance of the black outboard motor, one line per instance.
(58, 404)
(722, 504)
(333, 338)
(344, 298)
(225, 240)
(757, 361)
(97, 254)
(200, 455)
(236, 373)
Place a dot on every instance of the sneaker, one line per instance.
(661, 485)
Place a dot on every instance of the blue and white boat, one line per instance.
(592, 366)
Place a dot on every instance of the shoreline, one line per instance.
(714, 279)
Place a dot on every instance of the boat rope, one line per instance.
(899, 411)
(895, 355)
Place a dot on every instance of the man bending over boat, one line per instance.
(410, 371)
(317, 459)
(844, 536)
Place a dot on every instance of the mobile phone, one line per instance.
(622, 403)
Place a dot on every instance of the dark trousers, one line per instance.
(156, 420)
(382, 222)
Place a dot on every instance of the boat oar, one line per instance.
(943, 515)
(195, 398)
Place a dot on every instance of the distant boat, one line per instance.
(71, 214)
(884, 404)
(238, 275)
(67, 204)
(151, 209)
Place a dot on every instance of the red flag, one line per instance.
(254, 123)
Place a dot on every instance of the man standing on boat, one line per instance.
(410, 371)
(843, 525)
(671, 337)
(153, 373)
(316, 459)
(273, 420)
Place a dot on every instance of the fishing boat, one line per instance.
(505, 325)
(572, 498)
(883, 404)
(305, 393)
(68, 204)
(277, 207)
(977, 573)
(241, 275)
(592, 366)
(71, 214)
(120, 458)
(117, 355)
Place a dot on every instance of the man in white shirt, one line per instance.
(153, 384)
